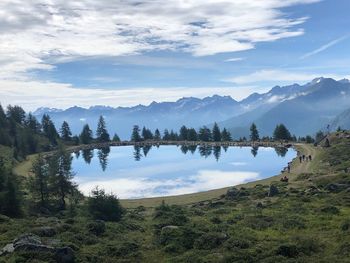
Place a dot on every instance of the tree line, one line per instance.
(185, 134)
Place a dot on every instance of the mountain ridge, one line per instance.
(305, 108)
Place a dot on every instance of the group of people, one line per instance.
(304, 158)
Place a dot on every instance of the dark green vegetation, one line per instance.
(305, 220)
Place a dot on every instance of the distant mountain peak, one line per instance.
(317, 80)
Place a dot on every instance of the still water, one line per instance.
(138, 172)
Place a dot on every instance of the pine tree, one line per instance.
(16, 113)
(157, 135)
(3, 120)
(254, 134)
(166, 135)
(281, 133)
(116, 138)
(12, 200)
(204, 134)
(49, 129)
(32, 123)
(135, 136)
(216, 133)
(183, 133)
(38, 183)
(101, 133)
(61, 176)
(146, 134)
(192, 135)
(225, 135)
(86, 135)
(65, 131)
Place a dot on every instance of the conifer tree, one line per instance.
(116, 138)
(135, 136)
(254, 134)
(157, 135)
(216, 133)
(65, 131)
(204, 134)
(281, 133)
(225, 135)
(166, 135)
(49, 129)
(101, 132)
(38, 183)
(16, 113)
(3, 120)
(183, 133)
(86, 135)
(61, 176)
(192, 135)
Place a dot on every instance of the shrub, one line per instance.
(288, 250)
(97, 227)
(104, 206)
(210, 240)
(330, 210)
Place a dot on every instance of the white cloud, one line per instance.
(39, 33)
(34, 94)
(324, 47)
(234, 59)
(277, 76)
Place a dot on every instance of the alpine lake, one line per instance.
(133, 172)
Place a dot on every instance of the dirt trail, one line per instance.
(304, 166)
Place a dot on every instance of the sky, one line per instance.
(61, 53)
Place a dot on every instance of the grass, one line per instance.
(306, 221)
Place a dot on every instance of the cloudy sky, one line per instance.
(60, 53)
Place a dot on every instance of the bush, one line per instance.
(104, 206)
(210, 240)
(330, 210)
(288, 250)
(97, 227)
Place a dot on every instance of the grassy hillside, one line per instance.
(305, 220)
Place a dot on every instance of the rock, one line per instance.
(312, 190)
(27, 239)
(169, 228)
(30, 242)
(45, 231)
(336, 187)
(273, 191)
(65, 255)
(9, 248)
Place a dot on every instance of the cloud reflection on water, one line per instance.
(146, 187)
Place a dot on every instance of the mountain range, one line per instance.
(304, 109)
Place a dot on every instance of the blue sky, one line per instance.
(129, 52)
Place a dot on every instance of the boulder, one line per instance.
(333, 187)
(9, 248)
(65, 255)
(30, 242)
(273, 191)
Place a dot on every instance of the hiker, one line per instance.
(284, 179)
(303, 157)
(300, 158)
(288, 168)
(310, 158)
